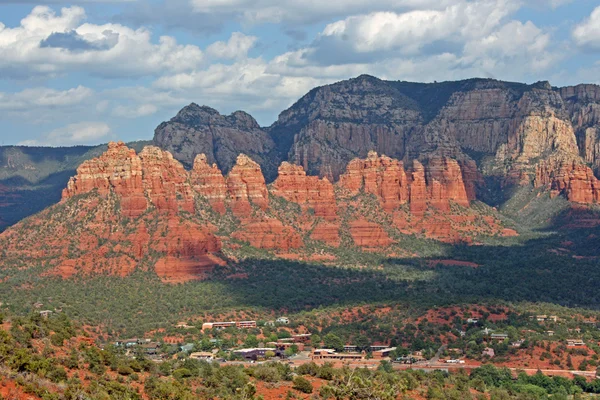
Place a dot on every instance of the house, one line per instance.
(230, 324)
(330, 354)
(550, 333)
(285, 345)
(377, 347)
(183, 325)
(499, 336)
(187, 348)
(489, 352)
(217, 325)
(283, 320)
(350, 349)
(202, 355)
(383, 353)
(575, 342)
(472, 320)
(517, 344)
(553, 318)
(255, 353)
(45, 314)
(151, 348)
(38, 305)
(270, 323)
(127, 342)
(303, 337)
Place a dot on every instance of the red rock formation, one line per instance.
(571, 178)
(381, 176)
(369, 234)
(118, 170)
(208, 181)
(327, 232)
(293, 185)
(165, 181)
(246, 185)
(437, 184)
(418, 189)
(269, 234)
(446, 183)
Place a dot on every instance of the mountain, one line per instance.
(503, 136)
(507, 134)
(202, 130)
(125, 211)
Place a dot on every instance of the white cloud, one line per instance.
(142, 110)
(303, 11)
(46, 44)
(34, 99)
(80, 133)
(409, 32)
(586, 34)
(237, 46)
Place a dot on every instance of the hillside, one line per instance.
(32, 178)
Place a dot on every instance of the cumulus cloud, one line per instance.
(237, 46)
(303, 11)
(47, 43)
(34, 99)
(586, 34)
(141, 110)
(80, 133)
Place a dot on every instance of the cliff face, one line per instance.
(125, 211)
(202, 130)
(490, 128)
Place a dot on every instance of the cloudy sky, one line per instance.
(89, 71)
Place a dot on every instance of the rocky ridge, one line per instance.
(126, 210)
(510, 132)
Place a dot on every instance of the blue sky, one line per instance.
(90, 71)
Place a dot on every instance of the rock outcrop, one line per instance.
(202, 130)
(294, 185)
(125, 211)
(438, 184)
(246, 185)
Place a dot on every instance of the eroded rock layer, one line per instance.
(125, 211)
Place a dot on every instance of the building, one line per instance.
(285, 345)
(303, 337)
(283, 320)
(255, 353)
(575, 342)
(246, 324)
(550, 333)
(45, 314)
(202, 355)
(383, 353)
(183, 325)
(187, 348)
(150, 349)
(349, 348)
(472, 321)
(230, 324)
(217, 325)
(499, 336)
(330, 355)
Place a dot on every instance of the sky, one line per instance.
(91, 71)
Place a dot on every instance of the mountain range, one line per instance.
(363, 164)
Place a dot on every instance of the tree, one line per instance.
(251, 341)
(315, 340)
(332, 341)
(303, 385)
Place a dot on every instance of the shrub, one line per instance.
(302, 385)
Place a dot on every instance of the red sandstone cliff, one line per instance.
(124, 211)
